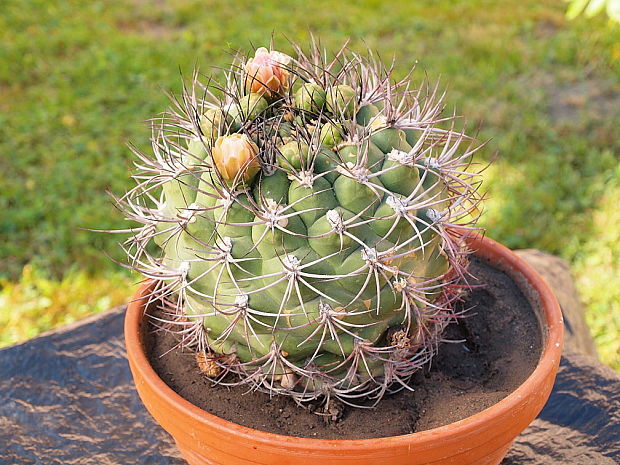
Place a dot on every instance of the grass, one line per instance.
(79, 78)
(36, 303)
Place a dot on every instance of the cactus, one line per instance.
(308, 214)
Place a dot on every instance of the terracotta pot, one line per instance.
(482, 439)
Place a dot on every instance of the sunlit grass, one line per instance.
(597, 271)
(35, 303)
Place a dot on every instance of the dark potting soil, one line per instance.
(496, 346)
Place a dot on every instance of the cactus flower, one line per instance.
(234, 154)
(266, 72)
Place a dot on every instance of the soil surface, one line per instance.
(492, 351)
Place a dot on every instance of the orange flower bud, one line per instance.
(234, 154)
(266, 72)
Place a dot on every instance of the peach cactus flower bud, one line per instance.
(236, 154)
(266, 72)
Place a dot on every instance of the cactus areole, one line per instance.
(304, 211)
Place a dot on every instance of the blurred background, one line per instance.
(78, 80)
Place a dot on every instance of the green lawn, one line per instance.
(78, 79)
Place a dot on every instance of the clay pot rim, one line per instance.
(484, 248)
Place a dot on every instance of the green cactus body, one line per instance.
(302, 275)
(310, 97)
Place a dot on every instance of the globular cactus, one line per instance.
(309, 214)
